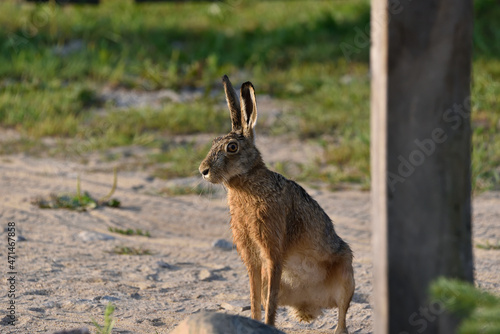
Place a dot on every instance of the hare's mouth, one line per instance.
(212, 180)
(208, 177)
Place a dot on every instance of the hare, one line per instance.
(287, 242)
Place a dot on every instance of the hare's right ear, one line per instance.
(248, 109)
(233, 104)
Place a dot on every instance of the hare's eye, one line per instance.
(232, 147)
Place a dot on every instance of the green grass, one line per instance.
(24, 144)
(82, 202)
(109, 322)
(173, 119)
(477, 309)
(488, 245)
(486, 124)
(289, 49)
(125, 250)
(130, 231)
(78, 201)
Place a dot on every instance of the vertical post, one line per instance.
(378, 163)
(420, 146)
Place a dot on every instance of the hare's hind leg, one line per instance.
(341, 325)
(346, 289)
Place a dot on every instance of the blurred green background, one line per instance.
(56, 62)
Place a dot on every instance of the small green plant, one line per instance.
(125, 250)
(88, 98)
(109, 322)
(488, 245)
(478, 309)
(78, 201)
(130, 231)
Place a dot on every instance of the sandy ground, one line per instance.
(67, 272)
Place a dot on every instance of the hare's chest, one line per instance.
(249, 227)
(246, 221)
(244, 210)
(243, 214)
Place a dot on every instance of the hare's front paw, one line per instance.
(341, 331)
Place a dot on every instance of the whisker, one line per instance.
(196, 185)
(224, 184)
(203, 188)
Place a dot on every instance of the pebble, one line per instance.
(135, 295)
(42, 292)
(19, 236)
(164, 265)
(37, 309)
(75, 331)
(157, 322)
(49, 304)
(109, 299)
(215, 323)
(90, 236)
(223, 244)
(236, 305)
(206, 275)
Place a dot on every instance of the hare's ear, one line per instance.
(232, 104)
(248, 109)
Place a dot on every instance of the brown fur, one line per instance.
(286, 240)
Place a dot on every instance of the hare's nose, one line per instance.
(205, 172)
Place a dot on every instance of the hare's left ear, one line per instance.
(248, 109)
(232, 104)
